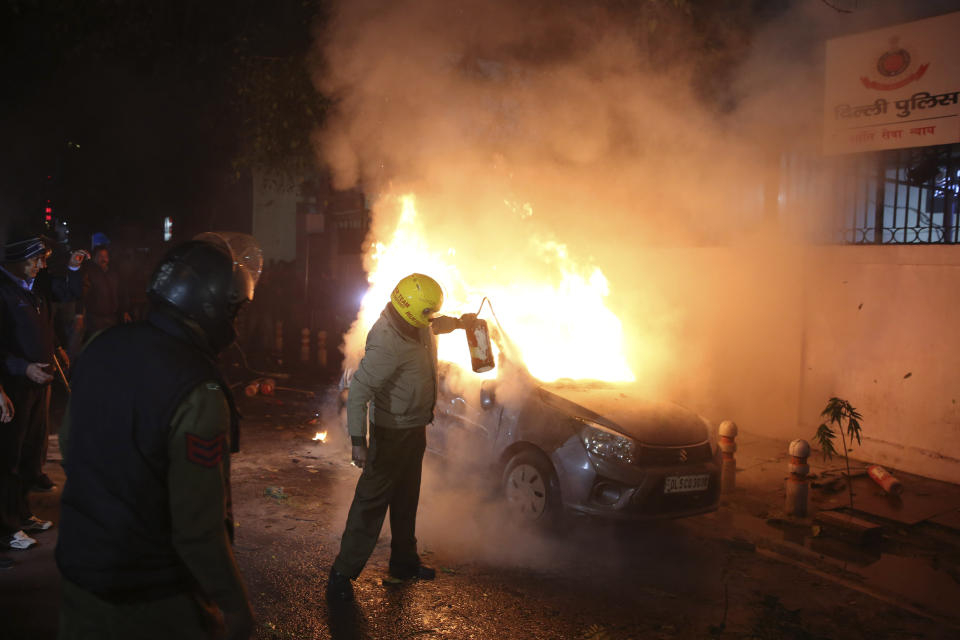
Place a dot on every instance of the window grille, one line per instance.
(902, 196)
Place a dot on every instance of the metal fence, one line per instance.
(899, 196)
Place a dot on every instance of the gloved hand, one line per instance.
(443, 324)
(358, 455)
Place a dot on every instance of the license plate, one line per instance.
(684, 484)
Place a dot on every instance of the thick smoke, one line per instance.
(646, 143)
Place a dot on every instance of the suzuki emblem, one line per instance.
(683, 455)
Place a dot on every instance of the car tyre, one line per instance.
(531, 489)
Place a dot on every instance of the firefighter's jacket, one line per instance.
(146, 440)
(397, 377)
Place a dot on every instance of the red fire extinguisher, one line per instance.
(885, 479)
(478, 339)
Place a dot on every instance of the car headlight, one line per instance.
(608, 444)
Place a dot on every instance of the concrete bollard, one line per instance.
(797, 488)
(278, 339)
(304, 345)
(728, 464)
(322, 348)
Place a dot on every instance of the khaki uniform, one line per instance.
(398, 379)
(199, 536)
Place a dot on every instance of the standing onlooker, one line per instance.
(146, 529)
(27, 366)
(102, 298)
(397, 378)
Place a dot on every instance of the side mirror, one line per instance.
(488, 394)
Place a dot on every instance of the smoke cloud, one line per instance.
(642, 139)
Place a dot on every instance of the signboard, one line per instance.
(894, 88)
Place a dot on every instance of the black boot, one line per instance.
(339, 588)
(409, 572)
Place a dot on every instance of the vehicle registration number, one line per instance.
(684, 484)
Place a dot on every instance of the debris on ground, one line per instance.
(276, 493)
(595, 632)
(833, 485)
(847, 527)
(885, 479)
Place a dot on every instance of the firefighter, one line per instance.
(145, 543)
(397, 377)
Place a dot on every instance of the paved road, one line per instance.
(695, 578)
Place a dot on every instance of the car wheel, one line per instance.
(531, 489)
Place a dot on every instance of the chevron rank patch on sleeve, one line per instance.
(205, 452)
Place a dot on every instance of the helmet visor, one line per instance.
(247, 258)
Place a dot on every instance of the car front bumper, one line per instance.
(603, 489)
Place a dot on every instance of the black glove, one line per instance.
(444, 324)
(358, 455)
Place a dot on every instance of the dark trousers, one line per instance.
(390, 478)
(23, 449)
(84, 616)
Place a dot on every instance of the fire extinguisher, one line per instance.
(478, 339)
(885, 479)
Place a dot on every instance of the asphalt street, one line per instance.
(702, 577)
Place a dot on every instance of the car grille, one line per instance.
(650, 456)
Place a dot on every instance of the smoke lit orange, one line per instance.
(561, 325)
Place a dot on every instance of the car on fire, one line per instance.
(574, 447)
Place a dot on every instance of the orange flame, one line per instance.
(562, 327)
(321, 436)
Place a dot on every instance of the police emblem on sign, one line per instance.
(894, 62)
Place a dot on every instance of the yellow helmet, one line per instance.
(416, 298)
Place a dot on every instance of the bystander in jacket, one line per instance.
(28, 363)
(103, 302)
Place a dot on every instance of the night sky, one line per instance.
(122, 113)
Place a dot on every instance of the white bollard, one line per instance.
(728, 464)
(797, 488)
(304, 345)
(322, 348)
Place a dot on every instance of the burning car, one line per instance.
(576, 447)
(585, 448)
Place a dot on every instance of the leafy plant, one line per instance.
(837, 412)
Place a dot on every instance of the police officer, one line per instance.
(146, 528)
(398, 379)
(27, 366)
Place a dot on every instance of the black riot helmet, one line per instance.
(207, 280)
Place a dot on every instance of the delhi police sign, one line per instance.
(894, 88)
